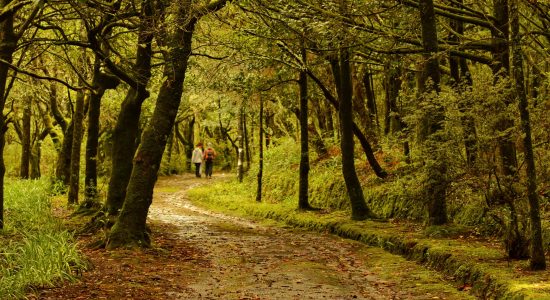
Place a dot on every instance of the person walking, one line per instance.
(197, 159)
(209, 155)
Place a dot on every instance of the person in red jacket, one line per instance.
(208, 159)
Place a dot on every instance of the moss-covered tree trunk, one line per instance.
(538, 261)
(126, 132)
(368, 84)
(501, 70)
(359, 209)
(63, 167)
(240, 154)
(343, 79)
(515, 239)
(8, 42)
(26, 138)
(260, 151)
(130, 227)
(434, 156)
(462, 81)
(63, 147)
(92, 140)
(246, 141)
(303, 189)
(78, 130)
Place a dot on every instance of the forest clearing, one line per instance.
(414, 132)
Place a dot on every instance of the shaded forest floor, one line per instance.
(199, 254)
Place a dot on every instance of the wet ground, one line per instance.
(204, 255)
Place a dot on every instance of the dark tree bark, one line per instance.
(303, 190)
(329, 120)
(359, 209)
(260, 151)
(435, 166)
(343, 80)
(368, 83)
(461, 81)
(538, 261)
(126, 132)
(26, 138)
(36, 152)
(501, 70)
(92, 140)
(470, 132)
(63, 167)
(169, 150)
(392, 117)
(130, 227)
(8, 43)
(78, 130)
(240, 155)
(359, 106)
(189, 146)
(515, 240)
(246, 142)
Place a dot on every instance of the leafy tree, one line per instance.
(180, 21)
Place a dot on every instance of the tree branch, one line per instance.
(37, 76)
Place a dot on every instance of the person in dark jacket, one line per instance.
(208, 158)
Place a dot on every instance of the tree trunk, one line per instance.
(260, 151)
(515, 240)
(63, 168)
(90, 181)
(462, 80)
(8, 42)
(126, 132)
(359, 209)
(130, 229)
(356, 131)
(368, 83)
(190, 144)
(169, 150)
(246, 142)
(470, 139)
(303, 199)
(63, 161)
(240, 154)
(26, 138)
(435, 165)
(538, 261)
(78, 119)
(501, 70)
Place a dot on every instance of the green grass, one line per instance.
(35, 249)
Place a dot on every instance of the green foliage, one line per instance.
(35, 250)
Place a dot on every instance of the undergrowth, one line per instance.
(35, 249)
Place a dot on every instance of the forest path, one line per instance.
(252, 261)
(203, 255)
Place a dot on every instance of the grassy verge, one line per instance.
(35, 249)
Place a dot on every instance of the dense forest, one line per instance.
(445, 101)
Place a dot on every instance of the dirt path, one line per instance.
(202, 255)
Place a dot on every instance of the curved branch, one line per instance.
(37, 76)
